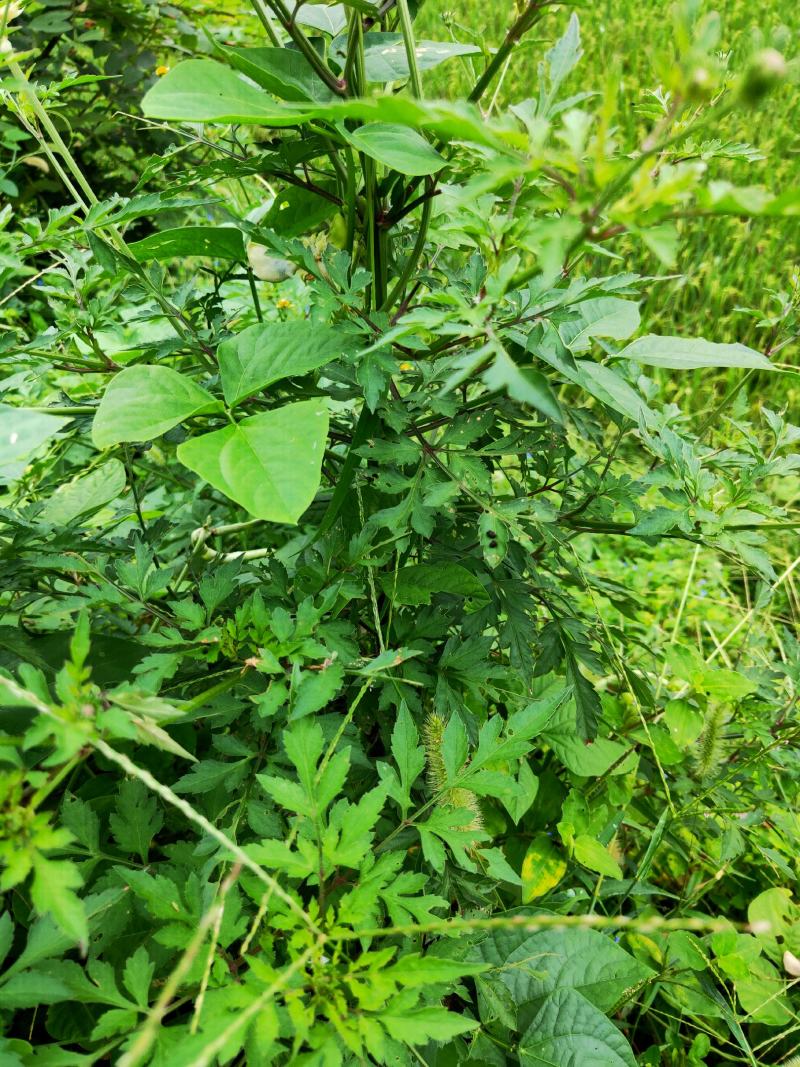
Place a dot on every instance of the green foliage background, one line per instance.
(398, 625)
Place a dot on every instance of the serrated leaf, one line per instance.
(414, 969)
(137, 976)
(137, 818)
(53, 893)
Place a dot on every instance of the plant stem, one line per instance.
(529, 17)
(407, 29)
(320, 68)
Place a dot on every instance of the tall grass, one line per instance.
(725, 265)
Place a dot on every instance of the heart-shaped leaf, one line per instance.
(270, 463)
(568, 1029)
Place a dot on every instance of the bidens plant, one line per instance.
(357, 755)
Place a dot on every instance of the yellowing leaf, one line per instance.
(542, 869)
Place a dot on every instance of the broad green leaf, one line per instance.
(417, 584)
(216, 242)
(595, 856)
(283, 71)
(86, 494)
(202, 90)
(269, 463)
(22, 433)
(143, 402)
(683, 353)
(534, 965)
(570, 1030)
(263, 354)
(604, 316)
(420, 1025)
(760, 994)
(543, 867)
(297, 211)
(397, 147)
(328, 18)
(386, 60)
(590, 760)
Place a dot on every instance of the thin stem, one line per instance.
(529, 17)
(320, 68)
(407, 30)
(414, 256)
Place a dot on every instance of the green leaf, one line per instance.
(296, 211)
(386, 60)
(23, 432)
(210, 773)
(218, 242)
(568, 1029)
(202, 90)
(138, 975)
(397, 147)
(328, 18)
(590, 760)
(316, 690)
(426, 1024)
(269, 463)
(262, 355)
(408, 754)
(52, 892)
(137, 818)
(85, 495)
(416, 585)
(683, 353)
(414, 969)
(604, 316)
(282, 71)
(595, 856)
(144, 402)
(583, 960)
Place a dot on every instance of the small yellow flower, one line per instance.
(161, 71)
(283, 303)
(404, 366)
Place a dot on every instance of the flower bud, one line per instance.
(767, 68)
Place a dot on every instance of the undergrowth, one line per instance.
(392, 670)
